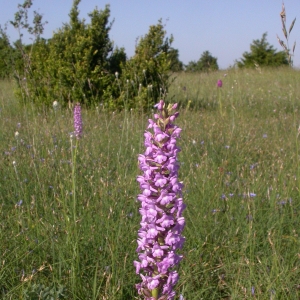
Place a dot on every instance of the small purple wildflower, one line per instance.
(283, 202)
(252, 195)
(19, 203)
(77, 121)
(253, 166)
(272, 292)
(219, 83)
(249, 217)
(161, 208)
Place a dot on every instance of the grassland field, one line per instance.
(68, 210)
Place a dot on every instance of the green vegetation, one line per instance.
(80, 63)
(68, 230)
(176, 64)
(205, 63)
(146, 75)
(6, 53)
(69, 215)
(262, 54)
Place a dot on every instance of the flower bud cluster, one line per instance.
(77, 121)
(161, 208)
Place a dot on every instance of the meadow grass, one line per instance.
(69, 215)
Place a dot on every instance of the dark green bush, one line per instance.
(146, 75)
(80, 64)
(6, 52)
(205, 63)
(72, 66)
(262, 54)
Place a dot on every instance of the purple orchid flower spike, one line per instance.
(77, 121)
(162, 205)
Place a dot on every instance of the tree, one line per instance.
(175, 64)
(205, 63)
(117, 58)
(78, 57)
(6, 55)
(75, 64)
(192, 66)
(80, 64)
(262, 54)
(146, 75)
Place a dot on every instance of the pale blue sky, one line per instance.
(224, 27)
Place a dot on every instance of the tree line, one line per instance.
(80, 63)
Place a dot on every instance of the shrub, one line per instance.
(262, 54)
(6, 54)
(72, 66)
(80, 64)
(205, 63)
(146, 75)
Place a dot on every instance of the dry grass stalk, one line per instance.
(286, 35)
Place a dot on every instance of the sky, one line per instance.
(225, 28)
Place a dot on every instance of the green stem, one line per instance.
(220, 102)
(74, 239)
(74, 154)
